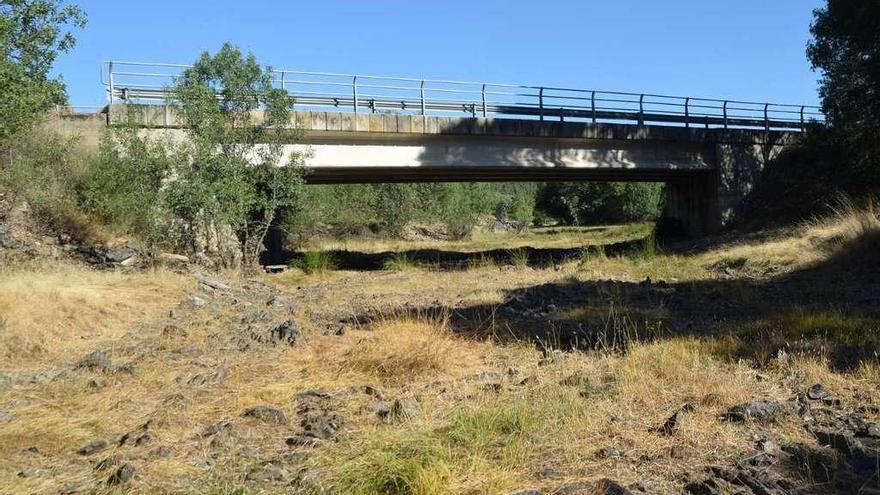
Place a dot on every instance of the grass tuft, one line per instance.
(316, 262)
(398, 263)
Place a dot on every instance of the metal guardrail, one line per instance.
(139, 81)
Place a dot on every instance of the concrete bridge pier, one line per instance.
(691, 206)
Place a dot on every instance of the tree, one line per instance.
(846, 49)
(32, 35)
(237, 172)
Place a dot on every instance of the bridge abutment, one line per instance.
(691, 206)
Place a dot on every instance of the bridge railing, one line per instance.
(138, 81)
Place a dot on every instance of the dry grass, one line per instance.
(55, 313)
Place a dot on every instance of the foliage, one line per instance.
(233, 175)
(44, 171)
(846, 48)
(591, 203)
(124, 185)
(32, 35)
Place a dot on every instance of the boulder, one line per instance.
(267, 414)
(762, 412)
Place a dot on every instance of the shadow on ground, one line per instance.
(446, 260)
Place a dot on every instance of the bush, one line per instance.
(594, 203)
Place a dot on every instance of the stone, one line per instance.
(405, 408)
(216, 428)
(491, 381)
(173, 259)
(107, 463)
(96, 361)
(122, 475)
(382, 409)
(5, 237)
(673, 422)
(820, 393)
(30, 473)
(194, 301)
(174, 332)
(120, 255)
(608, 453)
(265, 473)
(526, 492)
(7, 417)
(211, 283)
(303, 441)
(92, 447)
(287, 332)
(762, 412)
(125, 369)
(604, 486)
(872, 431)
(96, 384)
(267, 414)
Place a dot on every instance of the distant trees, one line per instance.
(590, 203)
(32, 35)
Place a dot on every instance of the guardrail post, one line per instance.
(483, 95)
(283, 86)
(642, 109)
(725, 114)
(593, 105)
(541, 103)
(354, 89)
(687, 112)
(766, 117)
(422, 95)
(110, 79)
(803, 124)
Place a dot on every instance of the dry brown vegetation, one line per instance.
(468, 412)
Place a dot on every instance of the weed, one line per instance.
(519, 258)
(398, 263)
(315, 262)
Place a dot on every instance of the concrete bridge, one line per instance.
(708, 172)
(368, 129)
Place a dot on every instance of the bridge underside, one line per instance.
(392, 174)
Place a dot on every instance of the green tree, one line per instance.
(32, 35)
(846, 49)
(237, 172)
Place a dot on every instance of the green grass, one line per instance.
(315, 262)
(519, 258)
(398, 263)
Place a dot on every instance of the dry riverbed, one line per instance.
(744, 366)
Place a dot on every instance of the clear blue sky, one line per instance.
(743, 49)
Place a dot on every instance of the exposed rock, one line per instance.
(6, 417)
(820, 393)
(265, 473)
(673, 422)
(195, 302)
(405, 408)
(268, 414)
(139, 436)
(216, 428)
(120, 255)
(872, 431)
(303, 441)
(5, 380)
(763, 411)
(210, 282)
(96, 361)
(162, 451)
(287, 332)
(602, 487)
(382, 409)
(108, 462)
(92, 447)
(724, 481)
(30, 473)
(491, 381)
(173, 259)
(578, 380)
(122, 475)
(526, 492)
(96, 384)
(126, 369)
(5, 237)
(215, 376)
(608, 453)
